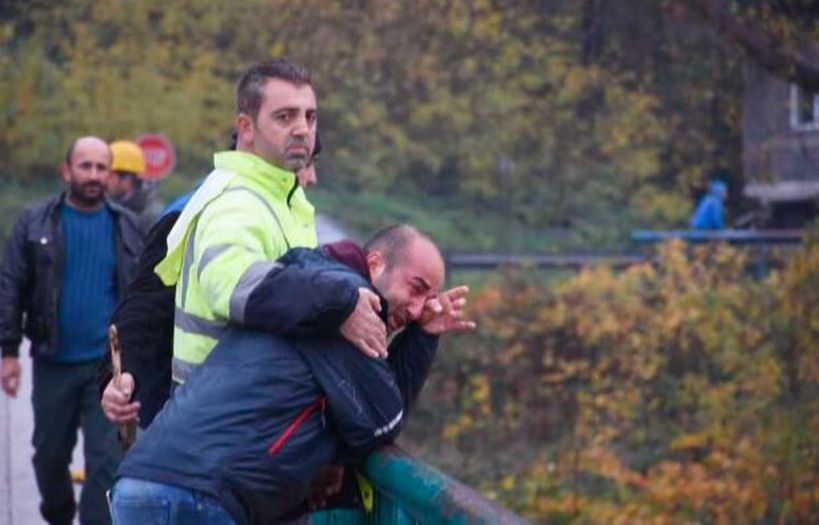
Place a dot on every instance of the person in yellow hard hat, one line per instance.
(128, 186)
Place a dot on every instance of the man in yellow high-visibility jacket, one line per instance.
(246, 214)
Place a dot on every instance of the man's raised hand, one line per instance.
(445, 312)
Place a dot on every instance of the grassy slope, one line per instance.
(456, 225)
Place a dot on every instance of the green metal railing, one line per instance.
(409, 491)
(759, 237)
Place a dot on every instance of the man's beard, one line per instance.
(296, 161)
(87, 193)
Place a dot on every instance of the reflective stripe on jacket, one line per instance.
(245, 215)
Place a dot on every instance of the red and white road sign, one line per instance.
(160, 155)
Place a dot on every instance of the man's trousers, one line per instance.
(64, 397)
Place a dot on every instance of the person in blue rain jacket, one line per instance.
(709, 214)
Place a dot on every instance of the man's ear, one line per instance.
(376, 264)
(65, 172)
(244, 129)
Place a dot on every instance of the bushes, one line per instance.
(680, 392)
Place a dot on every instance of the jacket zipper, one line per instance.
(319, 404)
(58, 244)
(292, 191)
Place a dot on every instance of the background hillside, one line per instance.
(570, 122)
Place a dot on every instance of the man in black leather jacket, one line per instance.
(68, 261)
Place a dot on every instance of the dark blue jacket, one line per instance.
(253, 424)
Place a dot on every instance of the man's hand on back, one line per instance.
(445, 312)
(364, 328)
(116, 400)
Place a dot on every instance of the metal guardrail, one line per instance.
(729, 236)
(409, 491)
(762, 238)
(483, 261)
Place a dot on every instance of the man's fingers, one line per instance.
(368, 349)
(10, 385)
(380, 330)
(365, 347)
(129, 411)
(119, 417)
(379, 344)
(118, 404)
(446, 303)
(434, 304)
(10, 375)
(125, 384)
(114, 391)
(457, 314)
(369, 335)
(465, 326)
(335, 477)
(364, 328)
(372, 299)
(120, 414)
(116, 400)
(457, 292)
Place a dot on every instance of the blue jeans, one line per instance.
(139, 502)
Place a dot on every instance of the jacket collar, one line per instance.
(56, 203)
(350, 254)
(257, 170)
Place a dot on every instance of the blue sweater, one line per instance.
(88, 294)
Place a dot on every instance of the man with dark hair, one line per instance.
(246, 214)
(243, 437)
(66, 264)
(250, 89)
(144, 320)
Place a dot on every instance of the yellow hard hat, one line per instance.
(128, 156)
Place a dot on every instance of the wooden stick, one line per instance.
(127, 431)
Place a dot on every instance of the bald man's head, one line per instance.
(86, 171)
(406, 268)
(89, 139)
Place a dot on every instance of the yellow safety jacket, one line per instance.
(245, 215)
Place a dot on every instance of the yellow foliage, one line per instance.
(680, 392)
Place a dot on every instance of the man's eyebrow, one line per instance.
(292, 108)
(423, 282)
